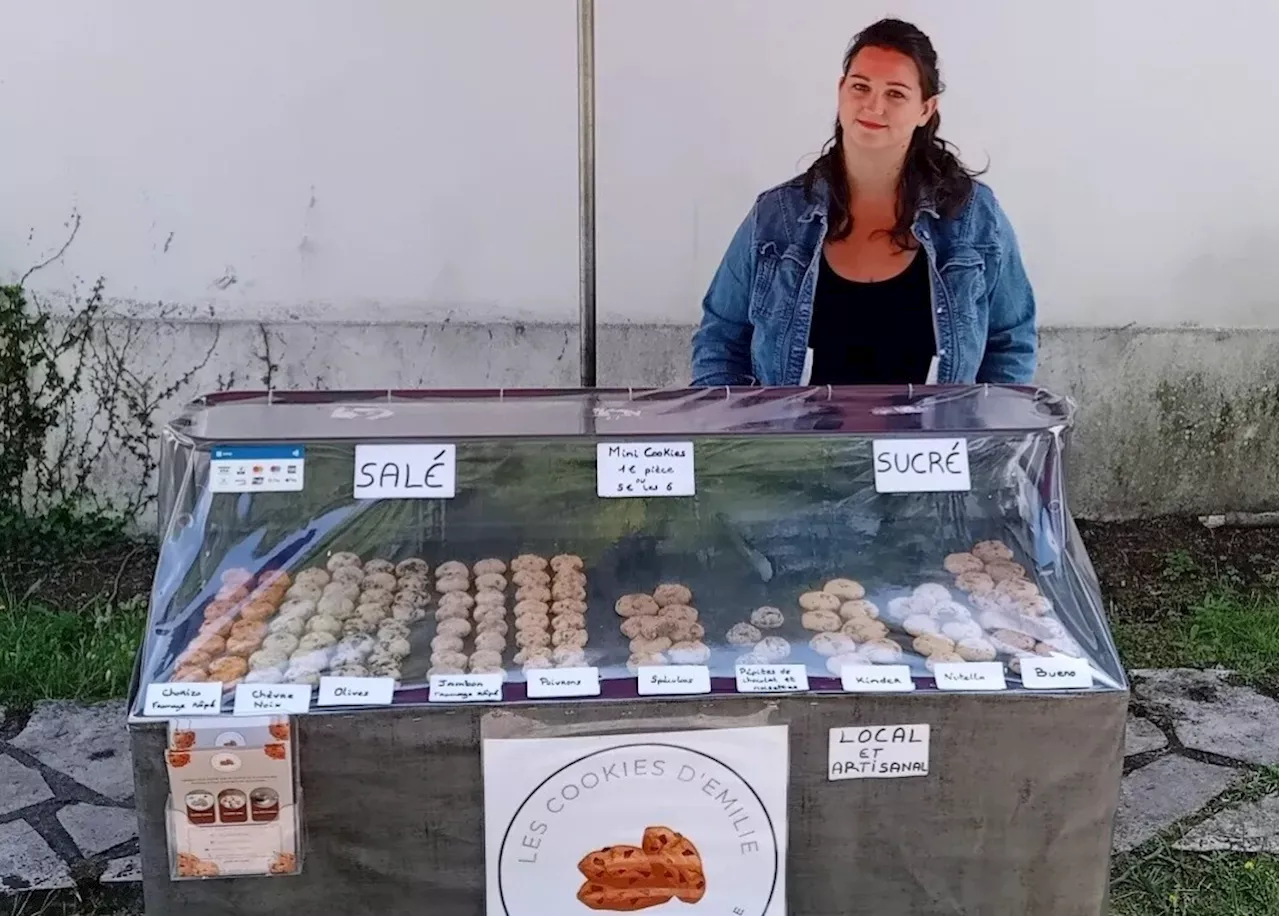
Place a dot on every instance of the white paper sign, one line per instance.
(411, 471)
(260, 699)
(356, 691)
(969, 676)
(878, 752)
(183, 699)
(771, 678)
(876, 678)
(921, 465)
(719, 792)
(659, 680)
(630, 469)
(465, 688)
(541, 683)
(1056, 673)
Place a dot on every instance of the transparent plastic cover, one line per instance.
(781, 546)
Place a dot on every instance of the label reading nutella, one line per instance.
(183, 699)
(969, 676)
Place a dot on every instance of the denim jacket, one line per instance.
(757, 312)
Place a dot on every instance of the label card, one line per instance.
(411, 471)
(659, 680)
(562, 682)
(1056, 673)
(356, 691)
(876, 678)
(921, 465)
(878, 752)
(256, 468)
(630, 469)
(260, 699)
(969, 676)
(183, 699)
(771, 678)
(465, 688)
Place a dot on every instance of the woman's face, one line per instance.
(880, 100)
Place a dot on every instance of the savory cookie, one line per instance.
(672, 593)
(767, 618)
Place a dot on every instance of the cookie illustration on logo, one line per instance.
(627, 878)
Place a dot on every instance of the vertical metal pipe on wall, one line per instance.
(587, 192)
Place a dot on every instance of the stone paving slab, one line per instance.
(1141, 737)
(96, 829)
(90, 744)
(123, 871)
(27, 863)
(1211, 715)
(1164, 792)
(20, 786)
(1253, 827)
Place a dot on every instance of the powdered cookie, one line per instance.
(772, 648)
(837, 663)
(767, 618)
(672, 593)
(930, 593)
(743, 634)
(832, 644)
(881, 651)
(821, 621)
(689, 653)
(961, 629)
(845, 589)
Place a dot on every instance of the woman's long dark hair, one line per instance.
(932, 171)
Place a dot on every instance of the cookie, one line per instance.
(672, 593)
(339, 607)
(1012, 642)
(523, 577)
(488, 567)
(309, 590)
(1005, 569)
(489, 641)
(529, 561)
(930, 593)
(459, 599)
(1033, 606)
(216, 610)
(394, 627)
(527, 638)
(566, 591)
(689, 653)
(767, 618)
(249, 629)
(576, 621)
(881, 651)
(312, 575)
(772, 648)
(495, 581)
(408, 613)
(576, 638)
(532, 622)
(452, 584)
(685, 632)
(413, 566)
(233, 593)
(485, 658)
(680, 612)
(932, 644)
(566, 561)
(645, 627)
(1016, 589)
(568, 656)
(821, 621)
(491, 625)
(347, 590)
(837, 663)
(569, 606)
(957, 563)
(861, 630)
(743, 634)
(452, 613)
(975, 650)
(379, 565)
(833, 644)
(990, 551)
(453, 628)
(294, 626)
(975, 583)
(342, 558)
(228, 668)
(490, 597)
(960, 629)
(820, 601)
(920, 624)
(530, 653)
(534, 593)
(635, 662)
(379, 596)
(636, 606)
(642, 646)
(450, 659)
(845, 589)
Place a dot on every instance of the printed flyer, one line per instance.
(674, 822)
(232, 805)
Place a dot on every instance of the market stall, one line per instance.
(534, 652)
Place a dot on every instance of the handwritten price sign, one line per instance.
(634, 469)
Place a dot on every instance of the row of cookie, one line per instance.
(988, 572)
(460, 614)
(663, 627)
(233, 627)
(551, 612)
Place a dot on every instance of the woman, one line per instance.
(885, 263)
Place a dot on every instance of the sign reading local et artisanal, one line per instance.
(619, 823)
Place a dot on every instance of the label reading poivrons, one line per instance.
(771, 678)
(542, 683)
(632, 469)
(921, 465)
(669, 680)
(465, 688)
(183, 699)
(261, 699)
(356, 691)
(878, 752)
(408, 471)
(1056, 673)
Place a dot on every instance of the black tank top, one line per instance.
(872, 333)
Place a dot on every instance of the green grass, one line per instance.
(83, 654)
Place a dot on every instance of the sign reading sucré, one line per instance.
(921, 465)
(627, 822)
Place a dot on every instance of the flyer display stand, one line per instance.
(547, 652)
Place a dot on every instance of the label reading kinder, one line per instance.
(183, 699)
(771, 678)
(356, 691)
(417, 471)
(465, 688)
(878, 752)
(542, 683)
(1056, 673)
(668, 680)
(876, 678)
(921, 465)
(260, 699)
(629, 469)
(256, 468)
(969, 676)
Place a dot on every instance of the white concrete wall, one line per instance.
(349, 160)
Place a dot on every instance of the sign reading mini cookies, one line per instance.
(631, 469)
(626, 822)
